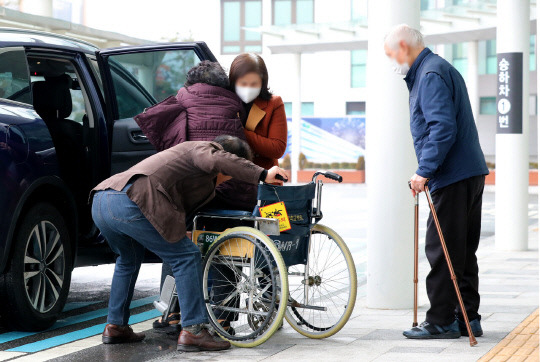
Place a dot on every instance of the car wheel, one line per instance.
(36, 283)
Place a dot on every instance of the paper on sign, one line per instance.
(277, 211)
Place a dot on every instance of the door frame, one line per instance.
(102, 55)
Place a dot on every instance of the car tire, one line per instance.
(36, 282)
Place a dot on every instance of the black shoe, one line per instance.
(169, 324)
(475, 327)
(433, 331)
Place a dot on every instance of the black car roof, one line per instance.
(10, 37)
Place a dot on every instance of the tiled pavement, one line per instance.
(519, 345)
(509, 289)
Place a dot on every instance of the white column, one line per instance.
(472, 77)
(296, 114)
(512, 150)
(538, 89)
(37, 7)
(390, 162)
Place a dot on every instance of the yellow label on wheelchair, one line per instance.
(277, 211)
(233, 247)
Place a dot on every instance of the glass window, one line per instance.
(253, 19)
(428, 4)
(141, 79)
(304, 11)
(231, 17)
(288, 108)
(46, 72)
(307, 109)
(358, 68)
(356, 108)
(491, 57)
(287, 12)
(459, 58)
(282, 12)
(236, 16)
(14, 77)
(532, 53)
(488, 105)
(358, 9)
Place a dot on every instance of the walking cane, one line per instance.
(472, 340)
(415, 278)
(415, 320)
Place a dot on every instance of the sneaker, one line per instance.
(475, 327)
(433, 331)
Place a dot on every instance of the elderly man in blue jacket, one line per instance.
(451, 160)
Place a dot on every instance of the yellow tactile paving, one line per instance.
(519, 345)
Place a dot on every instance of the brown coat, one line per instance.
(266, 131)
(176, 182)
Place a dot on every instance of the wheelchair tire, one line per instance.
(260, 282)
(335, 284)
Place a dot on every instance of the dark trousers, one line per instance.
(459, 209)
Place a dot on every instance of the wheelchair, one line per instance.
(254, 275)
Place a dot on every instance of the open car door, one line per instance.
(135, 78)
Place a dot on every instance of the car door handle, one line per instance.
(138, 137)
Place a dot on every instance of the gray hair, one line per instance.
(411, 36)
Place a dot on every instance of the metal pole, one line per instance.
(415, 280)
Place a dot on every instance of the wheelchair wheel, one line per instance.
(245, 283)
(322, 293)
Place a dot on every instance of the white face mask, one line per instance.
(247, 94)
(400, 68)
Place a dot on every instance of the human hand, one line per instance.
(276, 174)
(417, 184)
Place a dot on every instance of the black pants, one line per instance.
(459, 209)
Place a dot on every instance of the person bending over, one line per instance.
(145, 207)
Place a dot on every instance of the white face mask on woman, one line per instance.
(247, 94)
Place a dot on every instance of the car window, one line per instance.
(43, 69)
(14, 77)
(142, 79)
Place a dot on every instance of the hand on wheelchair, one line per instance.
(276, 175)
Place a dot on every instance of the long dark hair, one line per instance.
(247, 63)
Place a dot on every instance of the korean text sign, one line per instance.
(510, 93)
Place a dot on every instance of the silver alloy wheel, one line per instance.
(44, 266)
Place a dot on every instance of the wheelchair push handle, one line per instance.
(281, 178)
(331, 175)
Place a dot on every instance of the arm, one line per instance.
(210, 159)
(438, 108)
(275, 144)
(161, 122)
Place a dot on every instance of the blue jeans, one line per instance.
(129, 233)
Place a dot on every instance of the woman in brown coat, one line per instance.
(266, 123)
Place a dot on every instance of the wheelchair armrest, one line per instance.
(218, 212)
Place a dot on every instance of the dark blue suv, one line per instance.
(66, 123)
